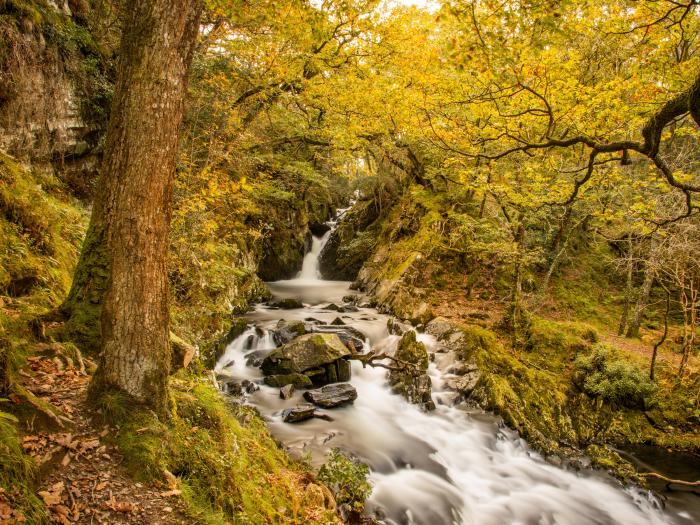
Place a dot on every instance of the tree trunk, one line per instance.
(126, 246)
(658, 344)
(643, 298)
(629, 289)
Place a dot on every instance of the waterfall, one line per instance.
(310, 268)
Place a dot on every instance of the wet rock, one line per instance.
(352, 338)
(304, 353)
(249, 386)
(412, 382)
(465, 383)
(287, 304)
(286, 331)
(351, 299)
(280, 380)
(334, 307)
(256, 357)
(232, 387)
(318, 356)
(396, 327)
(319, 228)
(298, 413)
(332, 396)
(313, 320)
(287, 391)
(338, 322)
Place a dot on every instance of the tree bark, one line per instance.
(128, 234)
(629, 289)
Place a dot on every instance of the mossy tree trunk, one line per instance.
(123, 264)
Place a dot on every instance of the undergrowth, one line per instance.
(230, 468)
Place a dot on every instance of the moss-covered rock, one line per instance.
(411, 380)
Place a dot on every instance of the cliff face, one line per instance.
(55, 85)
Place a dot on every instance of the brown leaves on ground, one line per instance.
(85, 481)
(8, 514)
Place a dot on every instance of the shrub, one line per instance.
(347, 478)
(613, 379)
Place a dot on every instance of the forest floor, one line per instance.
(82, 479)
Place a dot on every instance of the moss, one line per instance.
(18, 475)
(229, 467)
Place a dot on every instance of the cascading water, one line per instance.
(449, 466)
(310, 266)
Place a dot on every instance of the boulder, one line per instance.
(232, 387)
(287, 304)
(351, 337)
(331, 396)
(306, 352)
(256, 357)
(280, 380)
(287, 391)
(440, 327)
(333, 307)
(465, 383)
(351, 299)
(286, 331)
(348, 308)
(395, 327)
(412, 382)
(249, 386)
(298, 413)
(338, 322)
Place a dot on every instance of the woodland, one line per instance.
(518, 183)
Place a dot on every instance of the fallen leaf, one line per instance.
(120, 506)
(171, 478)
(66, 460)
(170, 493)
(101, 486)
(50, 498)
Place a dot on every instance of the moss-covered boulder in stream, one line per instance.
(411, 380)
(317, 356)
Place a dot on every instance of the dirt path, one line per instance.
(82, 477)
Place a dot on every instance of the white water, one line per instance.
(449, 466)
(310, 266)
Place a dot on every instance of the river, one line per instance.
(448, 466)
